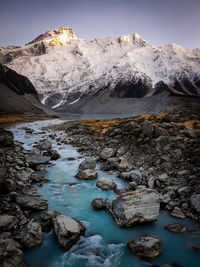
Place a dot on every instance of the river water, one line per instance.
(104, 243)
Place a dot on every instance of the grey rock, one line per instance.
(107, 152)
(53, 154)
(151, 182)
(126, 162)
(195, 202)
(68, 231)
(147, 128)
(145, 247)
(106, 183)
(89, 163)
(175, 228)
(160, 131)
(44, 145)
(139, 206)
(35, 160)
(7, 222)
(165, 199)
(164, 178)
(47, 219)
(86, 174)
(100, 203)
(31, 235)
(32, 202)
(177, 212)
(11, 253)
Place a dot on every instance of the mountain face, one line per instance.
(68, 71)
(17, 94)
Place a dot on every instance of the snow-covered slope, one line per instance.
(64, 69)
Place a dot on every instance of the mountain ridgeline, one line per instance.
(104, 75)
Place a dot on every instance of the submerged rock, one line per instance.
(100, 204)
(138, 206)
(11, 253)
(145, 247)
(68, 231)
(105, 183)
(175, 228)
(86, 174)
(32, 202)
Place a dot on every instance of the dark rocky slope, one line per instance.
(17, 94)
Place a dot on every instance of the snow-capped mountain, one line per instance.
(65, 69)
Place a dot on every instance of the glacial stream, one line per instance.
(104, 243)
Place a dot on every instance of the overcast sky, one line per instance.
(157, 21)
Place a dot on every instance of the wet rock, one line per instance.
(147, 128)
(44, 145)
(89, 163)
(177, 212)
(10, 253)
(32, 202)
(35, 160)
(30, 235)
(145, 247)
(71, 159)
(100, 204)
(68, 231)
(86, 174)
(47, 219)
(106, 183)
(107, 152)
(195, 202)
(138, 206)
(53, 154)
(7, 222)
(35, 151)
(175, 228)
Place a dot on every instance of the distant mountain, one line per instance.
(68, 72)
(17, 94)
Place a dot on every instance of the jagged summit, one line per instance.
(61, 36)
(134, 38)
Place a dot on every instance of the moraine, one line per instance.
(104, 243)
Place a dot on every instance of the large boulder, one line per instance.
(86, 174)
(30, 235)
(7, 222)
(10, 253)
(68, 231)
(106, 183)
(145, 247)
(32, 202)
(108, 152)
(44, 145)
(89, 163)
(100, 204)
(35, 160)
(141, 205)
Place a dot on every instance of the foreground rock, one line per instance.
(145, 247)
(100, 204)
(44, 145)
(86, 174)
(105, 183)
(89, 163)
(139, 206)
(175, 228)
(68, 231)
(35, 160)
(32, 201)
(11, 253)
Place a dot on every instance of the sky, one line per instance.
(156, 21)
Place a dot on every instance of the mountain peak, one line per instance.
(134, 38)
(57, 36)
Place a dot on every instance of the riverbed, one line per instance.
(104, 243)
